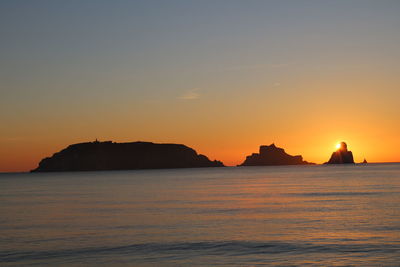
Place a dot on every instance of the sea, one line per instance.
(337, 215)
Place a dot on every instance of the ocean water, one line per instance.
(237, 216)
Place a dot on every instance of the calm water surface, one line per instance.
(298, 215)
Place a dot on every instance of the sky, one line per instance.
(222, 77)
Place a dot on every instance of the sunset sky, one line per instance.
(222, 77)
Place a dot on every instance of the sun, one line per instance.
(338, 145)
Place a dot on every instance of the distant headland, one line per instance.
(342, 156)
(272, 155)
(94, 156)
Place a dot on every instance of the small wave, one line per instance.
(323, 194)
(190, 249)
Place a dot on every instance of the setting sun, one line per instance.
(337, 145)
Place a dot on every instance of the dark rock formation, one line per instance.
(94, 156)
(364, 161)
(272, 155)
(341, 156)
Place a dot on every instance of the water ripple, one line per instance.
(188, 249)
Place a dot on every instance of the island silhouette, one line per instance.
(341, 156)
(272, 155)
(94, 156)
(108, 155)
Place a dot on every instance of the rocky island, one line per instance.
(273, 155)
(341, 156)
(95, 156)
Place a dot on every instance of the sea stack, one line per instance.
(272, 155)
(97, 156)
(341, 156)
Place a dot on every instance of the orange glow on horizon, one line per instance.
(230, 153)
(227, 130)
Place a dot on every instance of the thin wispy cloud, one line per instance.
(190, 95)
(257, 66)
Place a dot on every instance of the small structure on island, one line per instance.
(341, 156)
(272, 155)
